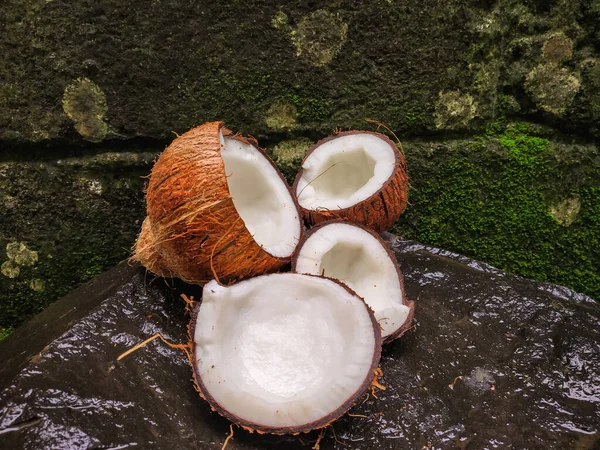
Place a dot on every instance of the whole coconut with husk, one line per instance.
(355, 175)
(217, 208)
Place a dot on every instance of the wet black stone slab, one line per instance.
(495, 361)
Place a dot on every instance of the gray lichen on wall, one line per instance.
(280, 20)
(454, 110)
(10, 269)
(558, 48)
(289, 154)
(281, 115)
(566, 211)
(552, 88)
(318, 37)
(18, 256)
(85, 104)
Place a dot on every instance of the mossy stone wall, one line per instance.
(497, 103)
(64, 221)
(108, 70)
(517, 200)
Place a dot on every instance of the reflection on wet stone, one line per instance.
(495, 361)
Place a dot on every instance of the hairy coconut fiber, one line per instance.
(197, 229)
(147, 252)
(377, 212)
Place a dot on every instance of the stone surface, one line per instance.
(105, 70)
(494, 361)
(64, 221)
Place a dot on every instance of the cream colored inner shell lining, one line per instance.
(345, 171)
(261, 198)
(353, 256)
(283, 349)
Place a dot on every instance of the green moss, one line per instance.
(80, 217)
(310, 109)
(492, 198)
(5, 332)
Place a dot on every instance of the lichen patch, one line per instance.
(558, 48)
(37, 285)
(319, 37)
(10, 269)
(288, 156)
(279, 20)
(85, 104)
(552, 88)
(20, 254)
(454, 110)
(566, 211)
(281, 116)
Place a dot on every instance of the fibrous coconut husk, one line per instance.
(147, 251)
(197, 230)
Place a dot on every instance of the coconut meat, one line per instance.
(261, 197)
(353, 256)
(283, 350)
(345, 171)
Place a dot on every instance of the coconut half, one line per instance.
(219, 208)
(359, 258)
(355, 175)
(283, 353)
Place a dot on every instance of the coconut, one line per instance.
(217, 208)
(359, 258)
(356, 175)
(283, 353)
(147, 251)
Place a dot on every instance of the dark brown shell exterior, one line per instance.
(411, 305)
(378, 212)
(305, 428)
(197, 230)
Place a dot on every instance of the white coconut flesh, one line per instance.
(353, 256)
(345, 171)
(261, 198)
(283, 350)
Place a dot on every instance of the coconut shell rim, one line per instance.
(411, 304)
(398, 160)
(304, 428)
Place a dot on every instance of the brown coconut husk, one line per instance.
(370, 380)
(197, 232)
(147, 252)
(378, 212)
